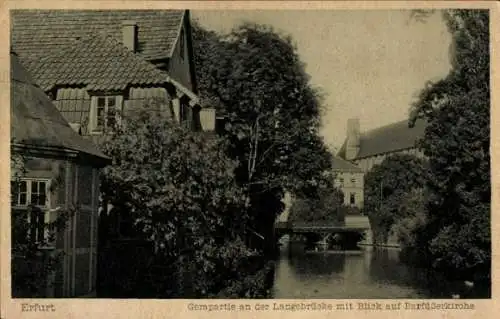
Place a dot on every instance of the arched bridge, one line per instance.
(344, 234)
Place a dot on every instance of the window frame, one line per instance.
(341, 181)
(44, 209)
(352, 199)
(96, 128)
(29, 188)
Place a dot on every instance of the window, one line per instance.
(30, 200)
(341, 181)
(106, 113)
(353, 181)
(28, 192)
(352, 199)
(19, 196)
(186, 115)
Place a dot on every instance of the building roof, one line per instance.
(98, 63)
(38, 33)
(339, 164)
(389, 138)
(35, 121)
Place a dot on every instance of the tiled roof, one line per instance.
(388, 138)
(97, 62)
(339, 164)
(37, 33)
(35, 121)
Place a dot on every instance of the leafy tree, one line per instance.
(178, 188)
(457, 143)
(326, 207)
(272, 114)
(414, 220)
(386, 185)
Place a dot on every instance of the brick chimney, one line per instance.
(352, 144)
(129, 34)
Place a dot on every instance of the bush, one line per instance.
(386, 187)
(178, 190)
(327, 206)
(413, 208)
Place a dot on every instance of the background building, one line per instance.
(371, 147)
(349, 178)
(364, 150)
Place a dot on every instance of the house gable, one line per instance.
(181, 62)
(77, 54)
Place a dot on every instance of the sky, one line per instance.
(369, 64)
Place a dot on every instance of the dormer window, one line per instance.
(105, 112)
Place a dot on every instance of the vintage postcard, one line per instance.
(173, 159)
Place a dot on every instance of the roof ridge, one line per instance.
(156, 44)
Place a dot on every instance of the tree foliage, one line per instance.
(413, 220)
(457, 142)
(386, 186)
(254, 75)
(178, 188)
(326, 207)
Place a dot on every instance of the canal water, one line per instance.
(366, 274)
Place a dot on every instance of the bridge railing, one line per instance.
(349, 222)
(318, 224)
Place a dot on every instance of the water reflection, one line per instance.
(370, 273)
(317, 263)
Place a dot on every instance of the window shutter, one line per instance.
(119, 109)
(177, 109)
(93, 114)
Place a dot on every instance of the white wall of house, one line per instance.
(352, 185)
